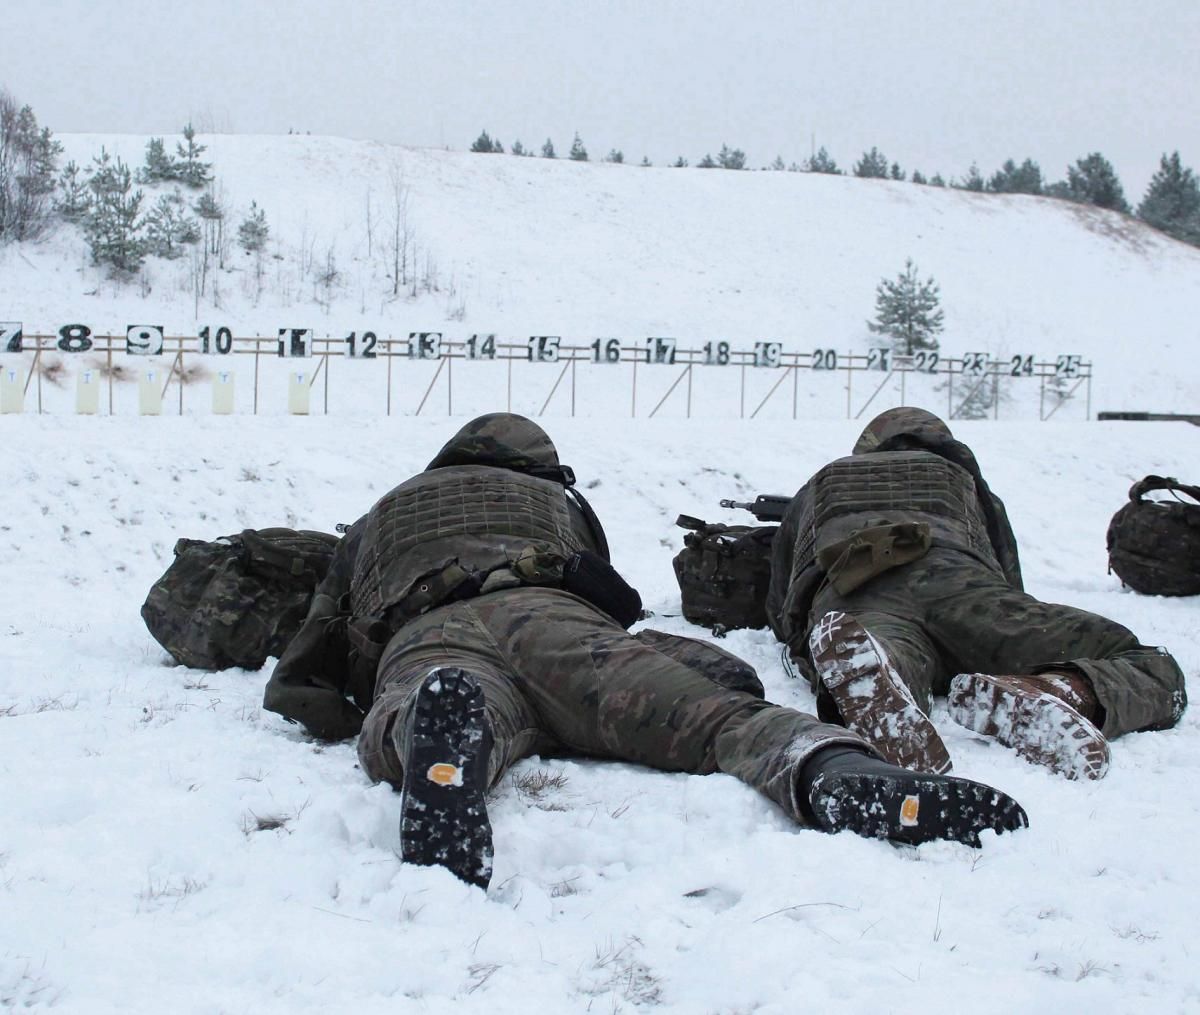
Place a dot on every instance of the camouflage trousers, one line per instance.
(949, 613)
(559, 677)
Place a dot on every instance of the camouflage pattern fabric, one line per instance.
(236, 600)
(946, 614)
(951, 611)
(560, 677)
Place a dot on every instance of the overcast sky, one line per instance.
(934, 84)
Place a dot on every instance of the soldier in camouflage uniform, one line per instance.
(485, 625)
(895, 577)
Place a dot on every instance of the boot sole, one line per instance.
(443, 813)
(1041, 728)
(913, 808)
(872, 698)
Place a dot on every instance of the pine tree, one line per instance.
(253, 232)
(578, 152)
(168, 228)
(872, 165)
(518, 148)
(918, 177)
(1172, 201)
(645, 163)
(936, 180)
(112, 227)
(188, 168)
(159, 166)
(731, 158)
(212, 218)
(74, 197)
(484, 143)
(908, 310)
(548, 150)
(679, 163)
(708, 162)
(615, 155)
(28, 164)
(973, 181)
(822, 162)
(779, 165)
(1092, 180)
(1013, 179)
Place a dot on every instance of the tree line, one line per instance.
(1171, 203)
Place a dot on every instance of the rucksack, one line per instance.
(236, 600)
(723, 573)
(1154, 546)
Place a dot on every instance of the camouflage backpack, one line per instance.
(723, 573)
(238, 599)
(1154, 546)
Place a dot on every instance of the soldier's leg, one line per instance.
(451, 636)
(1052, 681)
(446, 723)
(999, 630)
(876, 668)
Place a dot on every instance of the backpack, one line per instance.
(1154, 546)
(236, 600)
(723, 573)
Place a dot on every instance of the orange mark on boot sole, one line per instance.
(444, 774)
(909, 810)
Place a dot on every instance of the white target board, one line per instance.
(222, 393)
(298, 393)
(150, 392)
(87, 392)
(12, 389)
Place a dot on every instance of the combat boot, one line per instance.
(870, 696)
(443, 812)
(848, 790)
(1050, 719)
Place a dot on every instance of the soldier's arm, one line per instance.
(1005, 545)
(308, 684)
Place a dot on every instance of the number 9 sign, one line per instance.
(144, 340)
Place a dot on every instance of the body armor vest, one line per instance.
(473, 516)
(868, 490)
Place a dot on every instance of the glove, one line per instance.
(591, 577)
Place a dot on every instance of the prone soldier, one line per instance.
(895, 577)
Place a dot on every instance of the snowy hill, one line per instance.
(532, 246)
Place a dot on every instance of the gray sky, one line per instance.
(933, 84)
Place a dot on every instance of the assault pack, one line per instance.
(1154, 546)
(236, 600)
(724, 572)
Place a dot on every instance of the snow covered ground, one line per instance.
(168, 846)
(165, 845)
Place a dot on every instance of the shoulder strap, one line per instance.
(593, 522)
(1144, 486)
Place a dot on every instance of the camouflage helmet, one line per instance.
(905, 419)
(501, 439)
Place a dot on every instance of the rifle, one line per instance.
(766, 507)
